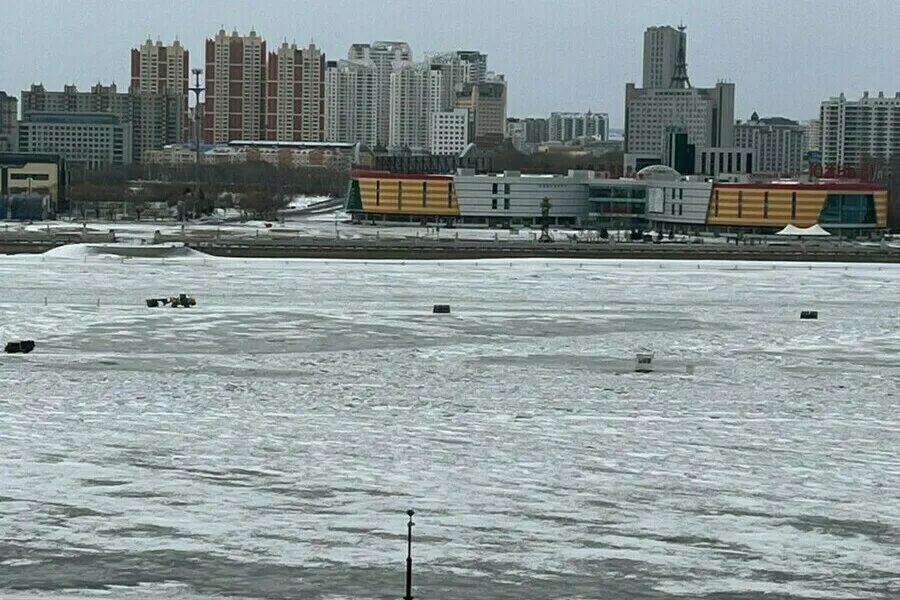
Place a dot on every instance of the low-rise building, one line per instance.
(512, 198)
(657, 198)
(29, 175)
(337, 156)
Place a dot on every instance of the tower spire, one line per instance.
(679, 75)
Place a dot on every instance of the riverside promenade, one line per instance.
(371, 247)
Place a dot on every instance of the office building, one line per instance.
(856, 130)
(706, 114)
(667, 104)
(449, 131)
(383, 56)
(572, 126)
(486, 102)
(777, 143)
(662, 46)
(350, 102)
(9, 118)
(153, 118)
(92, 140)
(235, 87)
(295, 94)
(415, 95)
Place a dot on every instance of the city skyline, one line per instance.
(786, 62)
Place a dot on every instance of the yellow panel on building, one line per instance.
(411, 195)
(777, 205)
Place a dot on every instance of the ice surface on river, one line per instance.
(266, 443)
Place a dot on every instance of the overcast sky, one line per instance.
(784, 56)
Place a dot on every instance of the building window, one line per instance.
(399, 195)
(494, 203)
(740, 204)
(424, 192)
(494, 189)
(450, 195)
(673, 209)
(793, 206)
(738, 159)
(681, 193)
(730, 166)
(716, 204)
(506, 204)
(506, 189)
(673, 193)
(680, 209)
(766, 205)
(377, 192)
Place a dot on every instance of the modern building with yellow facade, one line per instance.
(774, 205)
(402, 197)
(664, 201)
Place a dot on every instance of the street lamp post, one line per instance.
(197, 89)
(409, 526)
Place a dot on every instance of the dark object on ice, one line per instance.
(443, 309)
(179, 301)
(809, 314)
(23, 347)
(182, 301)
(409, 527)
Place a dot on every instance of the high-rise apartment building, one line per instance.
(449, 131)
(158, 68)
(152, 119)
(350, 102)
(383, 56)
(295, 94)
(570, 126)
(458, 68)
(662, 46)
(778, 144)
(486, 102)
(235, 88)
(856, 130)
(9, 117)
(415, 95)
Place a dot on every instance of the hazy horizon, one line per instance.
(557, 56)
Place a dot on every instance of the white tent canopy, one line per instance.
(814, 231)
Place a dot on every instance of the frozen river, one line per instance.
(266, 443)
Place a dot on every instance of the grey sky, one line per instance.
(784, 56)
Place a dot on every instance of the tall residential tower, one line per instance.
(235, 88)
(383, 56)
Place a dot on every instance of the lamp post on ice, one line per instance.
(409, 527)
